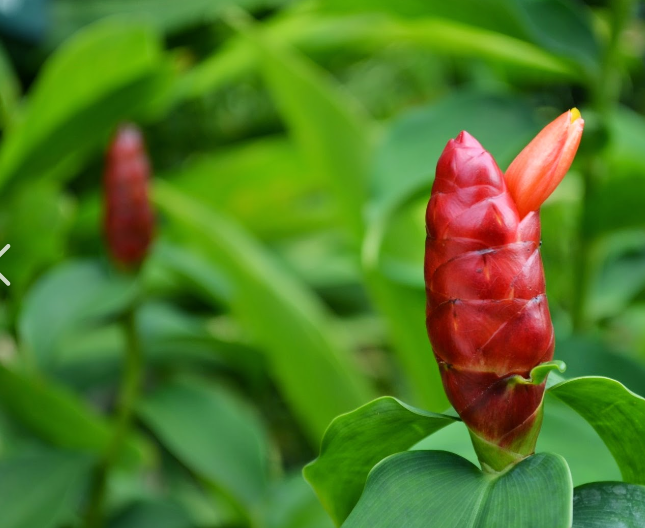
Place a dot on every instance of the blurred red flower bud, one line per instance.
(129, 220)
(539, 168)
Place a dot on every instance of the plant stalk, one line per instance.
(605, 95)
(126, 401)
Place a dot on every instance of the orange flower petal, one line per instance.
(539, 168)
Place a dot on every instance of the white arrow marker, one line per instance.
(2, 277)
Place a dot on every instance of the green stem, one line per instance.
(605, 95)
(128, 394)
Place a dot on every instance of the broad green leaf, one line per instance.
(9, 91)
(165, 15)
(35, 221)
(60, 417)
(623, 151)
(617, 415)
(618, 267)
(207, 281)
(317, 36)
(587, 456)
(561, 27)
(91, 356)
(247, 180)
(153, 514)
(609, 505)
(401, 306)
(357, 441)
(460, 40)
(586, 356)
(292, 503)
(107, 72)
(329, 126)
(326, 261)
(40, 488)
(315, 375)
(213, 434)
(90, 291)
(410, 488)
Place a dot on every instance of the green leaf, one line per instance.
(587, 356)
(410, 488)
(608, 505)
(357, 441)
(587, 456)
(213, 434)
(293, 504)
(106, 73)
(315, 375)
(254, 177)
(617, 415)
(70, 15)
(89, 357)
(68, 422)
(329, 126)
(460, 40)
(35, 221)
(39, 489)
(90, 290)
(153, 514)
(560, 27)
(9, 91)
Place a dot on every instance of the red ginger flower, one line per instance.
(487, 315)
(129, 220)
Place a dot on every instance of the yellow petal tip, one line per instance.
(575, 114)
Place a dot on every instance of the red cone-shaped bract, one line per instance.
(487, 315)
(129, 220)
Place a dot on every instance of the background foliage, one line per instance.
(294, 146)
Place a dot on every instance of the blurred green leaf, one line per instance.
(615, 204)
(415, 486)
(617, 415)
(560, 26)
(293, 504)
(587, 356)
(315, 375)
(107, 72)
(35, 222)
(90, 357)
(9, 91)
(355, 442)
(623, 151)
(330, 127)
(60, 417)
(608, 505)
(205, 280)
(39, 489)
(460, 40)
(153, 514)
(247, 180)
(90, 291)
(319, 36)
(213, 434)
(587, 456)
(167, 16)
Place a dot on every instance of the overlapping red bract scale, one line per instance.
(487, 315)
(129, 220)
